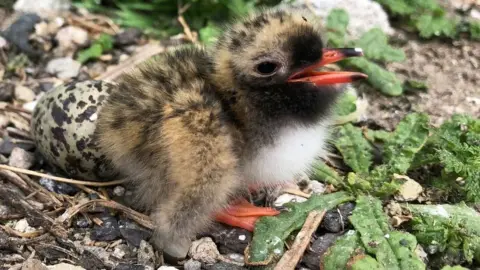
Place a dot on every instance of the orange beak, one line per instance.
(329, 77)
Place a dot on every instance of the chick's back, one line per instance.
(164, 128)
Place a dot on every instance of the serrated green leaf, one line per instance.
(271, 231)
(450, 228)
(378, 77)
(346, 104)
(338, 255)
(337, 22)
(321, 172)
(430, 25)
(415, 86)
(355, 149)
(103, 44)
(377, 135)
(392, 249)
(408, 139)
(375, 46)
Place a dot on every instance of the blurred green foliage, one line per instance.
(429, 18)
(159, 17)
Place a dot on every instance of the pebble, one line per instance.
(119, 191)
(65, 266)
(224, 266)
(120, 251)
(204, 250)
(126, 266)
(239, 258)
(133, 233)
(129, 36)
(81, 222)
(63, 68)
(286, 198)
(317, 187)
(6, 91)
(108, 231)
(164, 267)
(409, 191)
(21, 159)
(228, 239)
(145, 254)
(311, 258)
(58, 187)
(43, 6)
(33, 264)
(3, 43)
(70, 37)
(363, 14)
(192, 265)
(18, 33)
(23, 226)
(336, 220)
(6, 145)
(24, 94)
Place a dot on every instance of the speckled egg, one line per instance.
(63, 126)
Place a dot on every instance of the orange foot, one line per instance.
(244, 214)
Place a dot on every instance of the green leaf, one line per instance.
(378, 77)
(346, 104)
(324, 173)
(337, 22)
(103, 44)
(271, 231)
(398, 6)
(475, 30)
(209, 34)
(409, 137)
(355, 149)
(415, 86)
(377, 135)
(430, 25)
(345, 247)
(448, 228)
(375, 46)
(456, 267)
(392, 249)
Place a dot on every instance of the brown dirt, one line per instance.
(451, 72)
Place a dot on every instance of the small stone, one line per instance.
(228, 239)
(22, 226)
(120, 251)
(204, 250)
(109, 230)
(33, 264)
(192, 265)
(58, 187)
(317, 187)
(145, 254)
(81, 222)
(123, 57)
(409, 191)
(312, 256)
(78, 236)
(42, 7)
(6, 145)
(128, 37)
(363, 14)
(6, 91)
(119, 191)
(239, 258)
(133, 233)
(286, 198)
(63, 68)
(126, 266)
(336, 220)
(70, 37)
(65, 266)
(224, 266)
(3, 43)
(18, 33)
(24, 94)
(164, 267)
(21, 159)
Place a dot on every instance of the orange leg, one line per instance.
(244, 214)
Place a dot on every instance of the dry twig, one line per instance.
(12, 242)
(291, 257)
(186, 29)
(13, 199)
(130, 213)
(61, 179)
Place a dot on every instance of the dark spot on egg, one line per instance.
(101, 98)
(54, 150)
(90, 98)
(81, 104)
(60, 116)
(85, 115)
(98, 86)
(59, 135)
(81, 144)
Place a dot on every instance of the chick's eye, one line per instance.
(267, 68)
